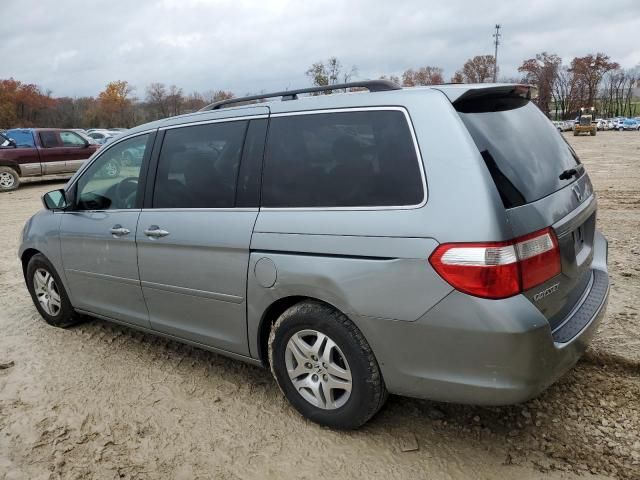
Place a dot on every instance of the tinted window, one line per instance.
(198, 166)
(49, 139)
(349, 159)
(23, 138)
(71, 139)
(523, 151)
(110, 183)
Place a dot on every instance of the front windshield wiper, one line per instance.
(567, 174)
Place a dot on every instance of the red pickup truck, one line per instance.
(36, 152)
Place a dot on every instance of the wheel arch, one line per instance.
(272, 313)
(12, 165)
(27, 255)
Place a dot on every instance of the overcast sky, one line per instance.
(75, 47)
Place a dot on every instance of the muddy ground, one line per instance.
(104, 401)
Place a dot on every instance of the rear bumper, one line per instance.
(486, 352)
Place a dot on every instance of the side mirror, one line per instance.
(86, 143)
(12, 142)
(55, 200)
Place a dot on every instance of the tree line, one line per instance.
(562, 89)
(593, 80)
(27, 105)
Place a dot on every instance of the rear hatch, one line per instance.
(541, 183)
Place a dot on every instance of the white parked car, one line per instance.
(601, 124)
(102, 136)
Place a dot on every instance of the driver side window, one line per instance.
(111, 183)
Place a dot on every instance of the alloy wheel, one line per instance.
(318, 369)
(7, 180)
(47, 292)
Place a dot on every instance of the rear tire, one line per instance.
(9, 179)
(337, 379)
(48, 293)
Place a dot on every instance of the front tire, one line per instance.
(9, 179)
(48, 293)
(325, 367)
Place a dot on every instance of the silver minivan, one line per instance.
(433, 242)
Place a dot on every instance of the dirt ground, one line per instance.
(104, 401)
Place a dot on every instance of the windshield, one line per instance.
(524, 153)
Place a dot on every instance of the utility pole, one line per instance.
(496, 42)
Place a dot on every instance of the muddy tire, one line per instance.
(325, 367)
(48, 293)
(9, 179)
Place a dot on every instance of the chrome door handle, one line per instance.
(155, 231)
(119, 231)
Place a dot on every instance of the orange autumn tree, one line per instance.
(23, 104)
(115, 104)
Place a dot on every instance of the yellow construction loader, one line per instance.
(584, 125)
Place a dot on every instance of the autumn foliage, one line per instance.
(22, 103)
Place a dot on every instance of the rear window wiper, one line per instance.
(570, 172)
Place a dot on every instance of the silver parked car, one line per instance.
(436, 242)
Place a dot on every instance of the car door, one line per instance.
(76, 150)
(52, 153)
(193, 239)
(98, 236)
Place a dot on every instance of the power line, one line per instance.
(496, 42)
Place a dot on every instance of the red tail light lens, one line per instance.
(499, 269)
(539, 257)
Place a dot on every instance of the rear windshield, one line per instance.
(23, 138)
(521, 148)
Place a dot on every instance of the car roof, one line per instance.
(39, 129)
(396, 97)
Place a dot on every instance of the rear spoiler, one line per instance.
(492, 98)
(463, 92)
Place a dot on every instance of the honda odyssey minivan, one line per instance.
(434, 242)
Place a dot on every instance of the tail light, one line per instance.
(499, 269)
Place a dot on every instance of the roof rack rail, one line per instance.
(371, 85)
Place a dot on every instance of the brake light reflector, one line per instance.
(499, 269)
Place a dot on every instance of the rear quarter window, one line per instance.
(342, 159)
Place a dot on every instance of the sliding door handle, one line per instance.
(155, 231)
(119, 231)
